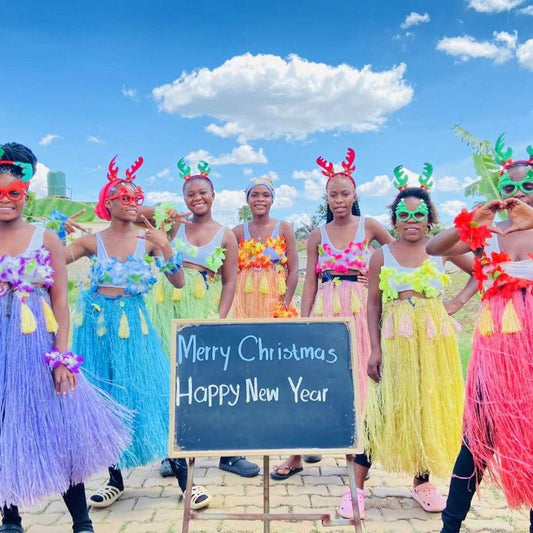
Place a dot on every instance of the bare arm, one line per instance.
(376, 232)
(292, 262)
(64, 380)
(374, 310)
(228, 271)
(83, 247)
(447, 243)
(311, 277)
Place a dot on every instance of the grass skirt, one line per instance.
(498, 421)
(347, 299)
(47, 442)
(413, 416)
(259, 293)
(199, 298)
(123, 356)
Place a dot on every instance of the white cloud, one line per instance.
(241, 155)
(38, 183)
(414, 19)
(451, 208)
(379, 186)
(297, 220)
(155, 197)
(247, 171)
(383, 219)
(493, 6)
(508, 39)
(130, 93)
(524, 54)
(165, 173)
(466, 47)
(314, 189)
(268, 97)
(285, 194)
(94, 139)
(452, 183)
(48, 139)
(526, 10)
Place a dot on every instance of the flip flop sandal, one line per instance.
(345, 509)
(108, 494)
(291, 471)
(200, 498)
(427, 495)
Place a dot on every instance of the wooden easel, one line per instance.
(266, 516)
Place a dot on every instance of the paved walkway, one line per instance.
(150, 504)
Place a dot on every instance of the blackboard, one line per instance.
(256, 386)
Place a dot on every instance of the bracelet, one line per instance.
(171, 266)
(55, 358)
(56, 222)
(470, 231)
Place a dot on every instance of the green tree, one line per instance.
(245, 213)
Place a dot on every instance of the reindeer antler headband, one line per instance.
(401, 178)
(113, 180)
(185, 170)
(26, 168)
(347, 166)
(504, 156)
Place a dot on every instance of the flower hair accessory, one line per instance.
(504, 157)
(26, 168)
(55, 358)
(113, 180)
(347, 166)
(185, 170)
(401, 178)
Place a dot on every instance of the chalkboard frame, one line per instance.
(179, 325)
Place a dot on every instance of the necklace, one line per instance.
(256, 234)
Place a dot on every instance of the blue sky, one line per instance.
(263, 89)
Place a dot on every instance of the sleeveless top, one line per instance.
(134, 275)
(355, 257)
(210, 256)
(28, 270)
(256, 254)
(516, 269)
(428, 279)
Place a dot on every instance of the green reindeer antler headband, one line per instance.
(401, 178)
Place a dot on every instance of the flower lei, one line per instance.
(489, 267)
(21, 272)
(161, 216)
(55, 358)
(216, 259)
(258, 255)
(419, 280)
(56, 222)
(354, 257)
(470, 231)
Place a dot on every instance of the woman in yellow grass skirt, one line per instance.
(413, 410)
(209, 252)
(337, 265)
(268, 262)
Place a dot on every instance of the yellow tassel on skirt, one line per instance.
(144, 325)
(485, 323)
(124, 327)
(413, 416)
(49, 318)
(27, 320)
(159, 295)
(510, 320)
(176, 294)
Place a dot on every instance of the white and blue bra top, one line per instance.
(198, 255)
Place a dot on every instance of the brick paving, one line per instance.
(151, 503)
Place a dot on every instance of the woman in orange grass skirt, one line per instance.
(268, 261)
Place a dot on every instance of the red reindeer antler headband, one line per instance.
(347, 166)
(113, 181)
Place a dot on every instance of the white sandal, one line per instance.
(109, 495)
(197, 492)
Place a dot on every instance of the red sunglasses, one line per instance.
(126, 198)
(14, 192)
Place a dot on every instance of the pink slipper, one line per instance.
(427, 495)
(345, 508)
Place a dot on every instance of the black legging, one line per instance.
(363, 460)
(465, 479)
(75, 501)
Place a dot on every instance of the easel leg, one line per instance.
(353, 489)
(266, 492)
(187, 498)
